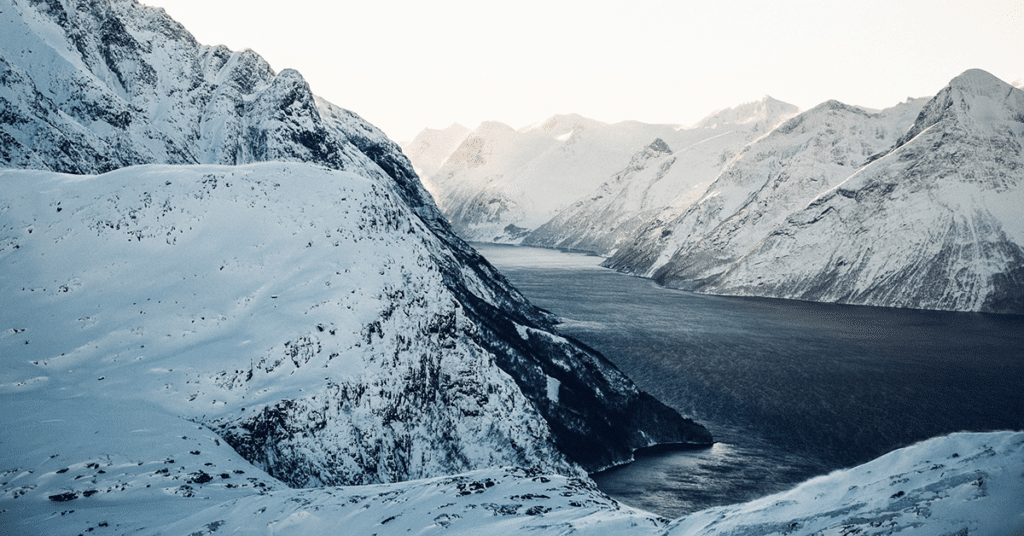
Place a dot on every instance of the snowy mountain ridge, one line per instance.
(430, 149)
(501, 183)
(769, 178)
(89, 87)
(687, 218)
(658, 190)
(935, 223)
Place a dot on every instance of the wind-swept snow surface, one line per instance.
(298, 312)
(960, 484)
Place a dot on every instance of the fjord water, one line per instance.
(789, 389)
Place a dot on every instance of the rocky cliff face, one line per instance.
(348, 337)
(933, 223)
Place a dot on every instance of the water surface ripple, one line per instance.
(789, 389)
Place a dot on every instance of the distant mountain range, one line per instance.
(730, 211)
(500, 183)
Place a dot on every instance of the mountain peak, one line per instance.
(563, 124)
(978, 81)
(975, 98)
(766, 109)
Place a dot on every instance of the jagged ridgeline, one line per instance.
(318, 312)
(917, 205)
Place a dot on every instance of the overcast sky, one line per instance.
(405, 65)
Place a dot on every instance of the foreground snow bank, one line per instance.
(960, 484)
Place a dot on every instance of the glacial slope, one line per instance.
(936, 223)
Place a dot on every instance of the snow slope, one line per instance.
(244, 299)
(768, 180)
(90, 86)
(430, 149)
(307, 316)
(659, 182)
(935, 223)
(501, 183)
(959, 484)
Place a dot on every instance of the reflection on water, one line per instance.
(790, 389)
(673, 483)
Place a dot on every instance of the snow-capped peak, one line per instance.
(977, 81)
(766, 109)
(563, 126)
(975, 99)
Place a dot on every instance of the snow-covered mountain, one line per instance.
(658, 181)
(89, 87)
(339, 262)
(502, 183)
(430, 149)
(768, 180)
(306, 316)
(935, 223)
(611, 214)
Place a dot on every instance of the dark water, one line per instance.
(789, 389)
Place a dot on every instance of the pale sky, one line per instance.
(405, 65)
